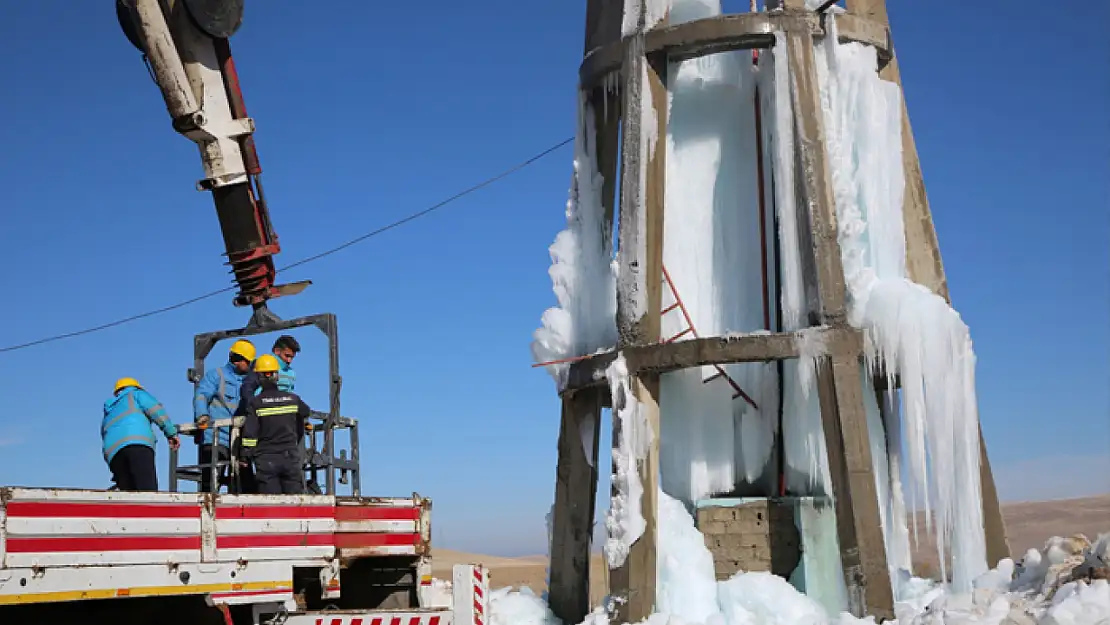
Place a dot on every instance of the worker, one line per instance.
(217, 397)
(128, 435)
(286, 349)
(272, 432)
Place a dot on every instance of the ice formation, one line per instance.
(634, 22)
(582, 271)
(910, 331)
(625, 520)
(714, 260)
(710, 441)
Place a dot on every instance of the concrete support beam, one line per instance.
(577, 469)
(575, 496)
(839, 382)
(639, 296)
(664, 357)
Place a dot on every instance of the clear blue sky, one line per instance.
(367, 112)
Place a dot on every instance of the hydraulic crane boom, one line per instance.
(185, 43)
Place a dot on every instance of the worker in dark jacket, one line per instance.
(128, 435)
(272, 433)
(285, 349)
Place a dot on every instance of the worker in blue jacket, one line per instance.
(217, 397)
(128, 435)
(285, 349)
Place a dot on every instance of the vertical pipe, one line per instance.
(173, 471)
(333, 412)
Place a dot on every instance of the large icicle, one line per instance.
(910, 331)
(712, 254)
(582, 270)
(806, 461)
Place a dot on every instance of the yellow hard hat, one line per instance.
(123, 383)
(266, 364)
(243, 348)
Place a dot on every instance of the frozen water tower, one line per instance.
(729, 290)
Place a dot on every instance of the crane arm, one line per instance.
(186, 45)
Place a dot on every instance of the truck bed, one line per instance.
(69, 545)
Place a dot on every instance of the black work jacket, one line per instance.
(275, 422)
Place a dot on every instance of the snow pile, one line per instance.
(523, 607)
(582, 269)
(439, 594)
(688, 593)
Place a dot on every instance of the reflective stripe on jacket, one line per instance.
(129, 418)
(275, 422)
(217, 396)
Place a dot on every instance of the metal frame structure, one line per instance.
(639, 62)
(337, 467)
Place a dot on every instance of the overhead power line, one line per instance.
(304, 261)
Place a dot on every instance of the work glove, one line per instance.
(202, 421)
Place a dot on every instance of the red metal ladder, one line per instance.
(690, 329)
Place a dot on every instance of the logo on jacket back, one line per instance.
(274, 400)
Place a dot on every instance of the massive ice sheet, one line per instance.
(711, 252)
(711, 442)
(582, 271)
(910, 331)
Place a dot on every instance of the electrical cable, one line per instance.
(304, 261)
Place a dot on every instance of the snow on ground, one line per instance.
(1048, 588)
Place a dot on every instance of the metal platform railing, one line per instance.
(313, 459)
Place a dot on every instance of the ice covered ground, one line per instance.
(1040, 592)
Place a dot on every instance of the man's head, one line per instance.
(267, 369)
(241, 355)
(286, 348)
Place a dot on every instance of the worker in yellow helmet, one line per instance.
(128, 435)
(273, 433)
(217, 396)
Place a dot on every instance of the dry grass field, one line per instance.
(1028, 525)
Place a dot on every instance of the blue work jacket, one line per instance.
(129, 418)
(286, 377)
(217, 396)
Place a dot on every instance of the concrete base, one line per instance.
(792, 537)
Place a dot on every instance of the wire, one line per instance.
(304, 261)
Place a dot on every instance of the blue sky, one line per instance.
(369, 114)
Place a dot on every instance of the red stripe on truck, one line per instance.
(105, 510)
(375, 539)
(255, 541)
(64, 544)
(376, 513)
(274, 512)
